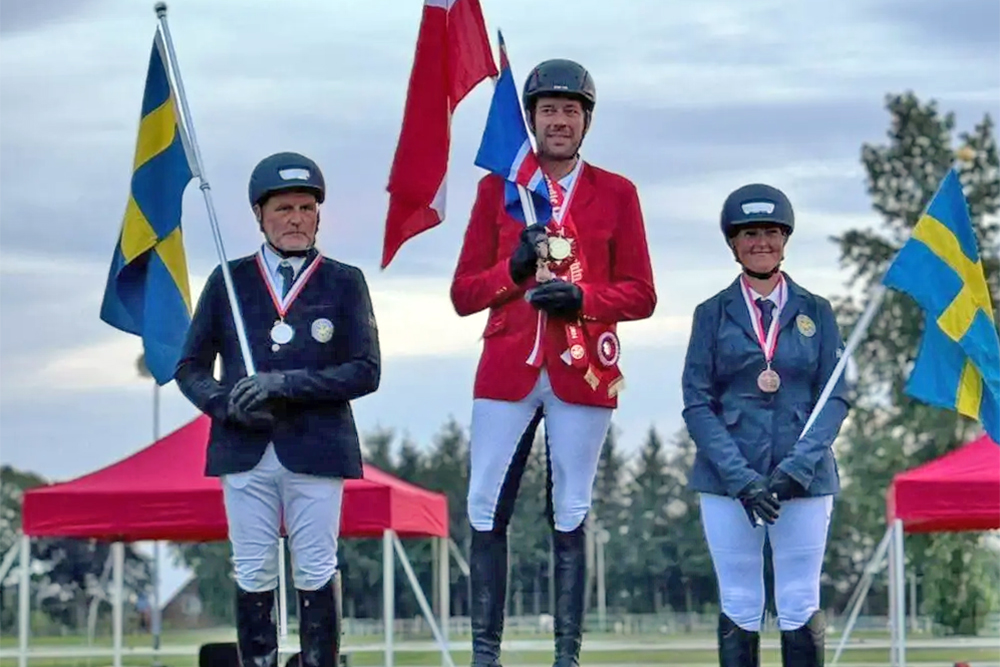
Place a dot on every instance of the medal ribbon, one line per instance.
(768, 341)
(562, 225)
(282, 305)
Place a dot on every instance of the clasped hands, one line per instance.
(762, 498)
(558, 298)
(248, 400)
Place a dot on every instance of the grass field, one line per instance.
(692, 650)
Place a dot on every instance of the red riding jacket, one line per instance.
(617, 287)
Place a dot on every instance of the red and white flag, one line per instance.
(453, 55)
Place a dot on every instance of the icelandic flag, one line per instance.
(506, 149)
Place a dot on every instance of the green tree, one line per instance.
(447, 472)
(376, 449)
(70, 569)
(888, 432)
(692, 578)
(648, 527)
(611, 512)
(13, 484)
(609, 489)
(411, 462)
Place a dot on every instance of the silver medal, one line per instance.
(281, 333)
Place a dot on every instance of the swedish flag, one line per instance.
(147, 293)
(958, 364)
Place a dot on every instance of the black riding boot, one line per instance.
(488, 578)
(737, 647)
(804, 647)
(570, 579)
(256, 634)
(319, 627)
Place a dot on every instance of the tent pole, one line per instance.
(24, 601)
(422, 600)
(282, 598)
(155, 618)
(874, 565)
(456, 553)
(900, 592)
(388, 594)
(118, 549)
(444, 581)
(893, 643)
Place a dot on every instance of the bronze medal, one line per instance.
(768, 381)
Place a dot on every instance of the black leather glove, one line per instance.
(558, 298)
(524, 261)
(252, 392)
(758, 502)
(258, 419)
(784, 486)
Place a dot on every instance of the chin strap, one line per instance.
(762, 276)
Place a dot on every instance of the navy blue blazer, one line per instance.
(741, 433)
(314, 432)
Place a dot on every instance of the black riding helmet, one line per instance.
(285, 172)
(560, 78)
(752, 205)
(756, 204)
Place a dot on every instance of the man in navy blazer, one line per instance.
(284, 439)
(760, 354)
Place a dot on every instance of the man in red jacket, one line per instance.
(550, 349)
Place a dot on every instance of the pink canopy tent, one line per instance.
(956, 492)
(161, 493)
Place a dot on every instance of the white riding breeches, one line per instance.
(798, 543)
(256, 503)
(501, 437)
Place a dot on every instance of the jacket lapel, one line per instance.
(583, 190)
(736, 309)
(792, 304)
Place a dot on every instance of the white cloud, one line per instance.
(330, 78)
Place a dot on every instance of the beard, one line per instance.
(566, 151)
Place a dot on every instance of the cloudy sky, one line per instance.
(694, 100)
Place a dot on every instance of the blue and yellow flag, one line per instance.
(147, 293)
(958, 364)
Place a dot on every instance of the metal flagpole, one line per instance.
(194, 157)
(852, 342)
(191, 147)
(155, 618)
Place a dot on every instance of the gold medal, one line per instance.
(559, 248)
(768, 381)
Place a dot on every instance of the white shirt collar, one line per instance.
(273, 260)
(778, 296)
(568, 180)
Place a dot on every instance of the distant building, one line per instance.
(185, 610)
